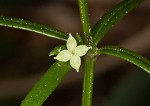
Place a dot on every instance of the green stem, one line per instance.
(88, 81)
(89, 61)
(84, 14)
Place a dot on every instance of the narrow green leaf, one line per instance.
(112, 17)
(47, 84)
(31, 26)
(79, 39)
(127, 55)
(57, 50)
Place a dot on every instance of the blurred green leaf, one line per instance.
(112, 17)
(34, 27)
(127, 55)
(131, 90)
(47, 84)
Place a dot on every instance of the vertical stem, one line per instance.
(88, 81)
(84, 14)
(89, 61)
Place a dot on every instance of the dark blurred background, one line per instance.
(24, 55)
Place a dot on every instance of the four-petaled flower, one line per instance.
(73, 53)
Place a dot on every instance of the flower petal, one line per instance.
(81, 50)
(63, 56)
(75, 62)
(71, 43)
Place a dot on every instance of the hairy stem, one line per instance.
(84, 14)
(88, 81)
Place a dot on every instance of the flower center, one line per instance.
(73, 52)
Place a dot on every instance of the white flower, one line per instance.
(73, 53)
